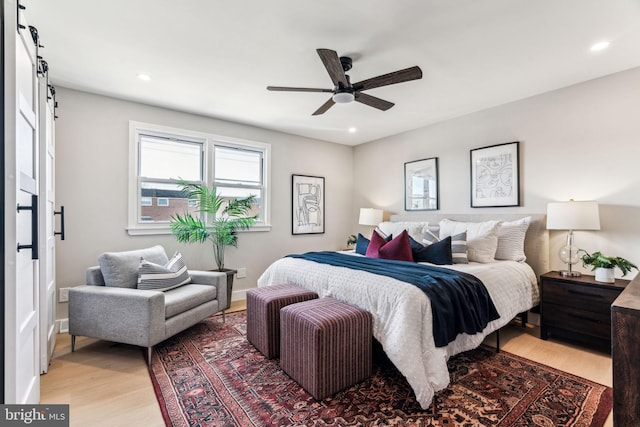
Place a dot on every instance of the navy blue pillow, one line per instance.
(438, 253)
(363, 243)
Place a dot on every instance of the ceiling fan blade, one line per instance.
(334, 67)
(374, 102)
(297, 89)
(324, 107)
(408, 74)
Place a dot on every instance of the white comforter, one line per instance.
(402, 320)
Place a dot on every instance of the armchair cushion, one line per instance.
(184, 298)
(120, 269)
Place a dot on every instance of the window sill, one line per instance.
(164, 229)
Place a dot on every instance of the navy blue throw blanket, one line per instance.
(459, 301)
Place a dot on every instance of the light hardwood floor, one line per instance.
(108, 384)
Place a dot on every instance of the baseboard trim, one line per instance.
(534, 319)
(239, 295)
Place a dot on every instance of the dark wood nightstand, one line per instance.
(578, 308)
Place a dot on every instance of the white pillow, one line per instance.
(511, 239)
(482, 237)
(414, 228)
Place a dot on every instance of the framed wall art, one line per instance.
(495, 176)
(307, 204)
(421, 191)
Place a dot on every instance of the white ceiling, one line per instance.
(215, 58)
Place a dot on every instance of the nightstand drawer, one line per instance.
(578, 296)
(575, 320)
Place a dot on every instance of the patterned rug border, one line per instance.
(159, 396)
(603, 403)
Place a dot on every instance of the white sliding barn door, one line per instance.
(47, 225)
(22, 339)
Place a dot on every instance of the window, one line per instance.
(160, 157)
(238, 174)
(163, 159)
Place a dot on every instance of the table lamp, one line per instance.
(572, 216)
(370, 216)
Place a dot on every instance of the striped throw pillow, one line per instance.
(157, 277)
(458, 243)
(482, 237)
(511, 239)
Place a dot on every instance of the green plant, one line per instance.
(224, 217)
(597, 260)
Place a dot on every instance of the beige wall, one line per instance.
(581, 142)
(92, 136)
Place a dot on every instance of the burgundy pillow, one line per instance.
(398, 248)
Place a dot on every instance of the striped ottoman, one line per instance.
(325, 345)
(263, 314)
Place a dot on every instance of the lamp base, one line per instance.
(569, 273)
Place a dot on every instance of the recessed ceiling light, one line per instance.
(600, 46)
(352, 130)
(144, 77)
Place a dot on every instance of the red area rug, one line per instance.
(210, 375)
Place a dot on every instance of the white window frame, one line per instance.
(135, 227)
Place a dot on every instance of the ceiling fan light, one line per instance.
(600, 46)
(343, 97)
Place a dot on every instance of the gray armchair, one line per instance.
(110, 307)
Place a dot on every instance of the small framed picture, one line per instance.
(421, 185)
(495, 176)
(307, 204)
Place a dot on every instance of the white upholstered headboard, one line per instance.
(536, 242)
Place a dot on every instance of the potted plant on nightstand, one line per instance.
(604, 266)
(223, 218)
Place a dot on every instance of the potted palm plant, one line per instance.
(604, 266)
(223, 218)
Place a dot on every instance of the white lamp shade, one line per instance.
(573, 216)
(370, 216)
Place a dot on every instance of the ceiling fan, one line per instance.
(344, 91)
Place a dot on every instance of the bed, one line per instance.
(402, 313)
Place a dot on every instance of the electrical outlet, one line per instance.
(63, 295)
(242, 273)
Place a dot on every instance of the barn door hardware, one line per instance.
(61, 232)
(34, 226)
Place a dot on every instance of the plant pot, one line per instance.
(606, 275)
(230, 274)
